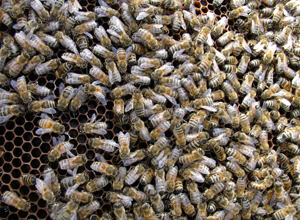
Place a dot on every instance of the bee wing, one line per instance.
(74, 6)
(193, 10)
(103, 3)
(209, 40)
(162, 162)
(113, 33)
(128, 52)
(111, 142)
(285, 101)
(115, 52)
(183, 25)
(116, 21)
(100, 158)
(142, 15)
(127, 136)
(49, 110)
(171, 99)
(41, 131)
(72, 189)
(39, 185)
(106, 90)
(197, 177)
(246, 46)
(100, 131)
(125, 198)
(152, 117)
(129, 106)
(5, 118)
(93, 118)
(209, 108)
(100, 97)
(70, 154)
(13, 83)
(145, 133)
(146, 65)
(74, 216)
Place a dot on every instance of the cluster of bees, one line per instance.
(230, 88)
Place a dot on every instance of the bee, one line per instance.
(178, 21)
(60, 146)
(219, 177)
(188, 208)
(194, 193)
(225, 38)
(98, 74)
(132, 59)
(124, 141)
(171, 178)
(139, 125)
(245, 123)
(240, 11)
(161, 19)
(32, 63)
(229, 90)
(284, 211)
(207, 62)
(97, 184)
(40, 46)
(160, 181)
(135, 194)
(21, 87)
(44, 188)
(118, 182)
(5, 18)
(148, 211)
(43, 68)
(117, 30)
(63, 69)
(45, 105)
(11, 198)
(98, 91)
(119, 211)
(54, 185)
(66, 94)
(103, 38)
(105, 168)
(24, 42)
(9, 97)
(75, 78)
(169, 93)
(66, 41)
(5, 52)
(217, 80)
(74, 181)
(240, 186)
(18, 65)
(103, 52)
(142, 80)
(158, 146)
(128, 19)
(162, 71)
(68, 211)
(79, 98)
(74, 161)
(133, 174)
(105, 10)
(28, 180)
(89, 57)
(88, 209)
(176, 204)
(73, 58)
(239, 158)
(235, 169)
(85, 27)
(159, 130)
(40, 10)
(82, 42)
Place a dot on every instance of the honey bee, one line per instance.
(88, 209)
(66, 94)
(225, 38)
(117, 30)
(11, 198)
(85, 27)
(9, 97)
(18, 65)
(135, 194)
(89, 57)
(79, 98)
(162, 71)
(45, 105)
(176, 204)
(73, 58)
(75, 78)
(40, 10)
(133, 174)
(5, 52)
(118, 182)
(159, 130)
(54, 185)
(160, 181)
(98, 74)
(235, 169)
(188, 208)
(139, 125)
(142, 80)
(40, 46)
(82, 42)
(44, 188)
(178, 21)
(33, 62)
(73, 161)
(171, 178)
(102, 36)
(162, 19)
(240, 11)
(98, 91)
(60, 146)
(284, 211)
(43, 68)
(96, 184)
(105, 168)
(194, 193)
(28, 180)
(148, 211)
(229, 90)
(66, 41)
(158, 146)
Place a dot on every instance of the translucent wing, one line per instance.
(171, 99)
(142, 15)
(41, 131)
(100, 97)
(93, 118)
(13, 83)
(72, 189)
(129, 105)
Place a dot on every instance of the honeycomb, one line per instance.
(25, 152)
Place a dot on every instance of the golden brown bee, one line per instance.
(178, 21)
(98, 91)
(102, 36)
(40, 10)
(5, 52)
(79, 98)
(85, 27)
(21, 87)
(235, 169)
(139, 125)
(127, 17)
(43, 68)
(134, 174)
(45, 105)
(148, 211)
(151, 42)
(40, 46)
(74, 161)
(11, 198)
(18, 65)
(97, 184)
(28, 180)
(60, 146)
(33, 62)
(66, 94)
(117, 30)
(176, 204)
(88, 209)
(135, 194)
(159, 130)
(105, 168)
(5, 18)
(66, 41)
(118, 182)
(73, 58)
(284, 211)
(7, 112)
